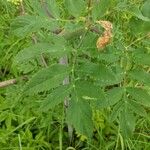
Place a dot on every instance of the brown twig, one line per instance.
(10, 82)
(7, 82)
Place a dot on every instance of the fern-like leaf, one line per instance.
(24, 25)
(38, 49)
(57, 96)
(46, 79)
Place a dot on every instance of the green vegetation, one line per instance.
(63, 93)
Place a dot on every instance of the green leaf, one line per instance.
(142, 59)
(115, 112)
(137, 108)
(110, 58)
(46, 79)
(99, 72)
(88, 90)
(53, 8)
(79, 114)
(127, 123)
(145, 8)
(135, 11)
(57, 96)
(114, 95)
(140, 95)
(140, 75)
(137, 26)
(100, 8)
(23, 25)
(36, 7)
(87, 45)
(73, 30)
(75, 7)
(38, 49)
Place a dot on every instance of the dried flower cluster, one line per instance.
(107, 35)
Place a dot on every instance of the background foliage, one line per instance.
(108, 90)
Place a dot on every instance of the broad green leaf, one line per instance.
(137, 108)
(146, 8)
(79, 114)
(140, 95)
(102, 74)
(57, 96)
(87, 45)
(100, 8)
(108, 76)
(127, 123)
(114, 95)
(23, 25)
(88, 90)
(140, 76)
(47, 79)
(142, 59)
(38, 49)
(75, 7)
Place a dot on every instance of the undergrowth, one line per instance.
(69, 94)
